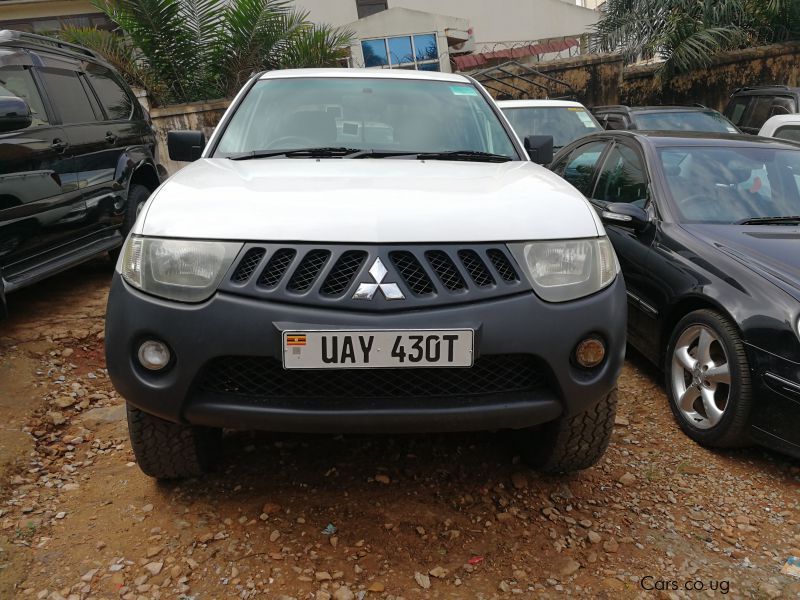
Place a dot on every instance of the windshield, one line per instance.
(731, 185)
(564, 123)
(685, 120)
(391, 115)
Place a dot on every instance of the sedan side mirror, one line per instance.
(540, 148)
(185, 145)
(625, 215)
(14, 114)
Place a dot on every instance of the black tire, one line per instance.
(166, 450)
(137, 196)
(732, 429)
(570, 443)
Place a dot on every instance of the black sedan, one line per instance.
(707, 231)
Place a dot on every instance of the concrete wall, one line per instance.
(603, 79)
(29, 9)
(196, 115)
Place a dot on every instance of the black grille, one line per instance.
(342, 273)
(248, 265)
(502, 265)
(412, 273)
(265, 378)
(276, 267)
(446, 270)
(477, 270)
(309, 269)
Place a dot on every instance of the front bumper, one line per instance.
(776, 408)
(232, 326)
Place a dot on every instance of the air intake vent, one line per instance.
(446, 271)
(276, 267)
(310, 267)
(502, 265)
(342, 273)
(476, 268)
(248, 265)
(412, 273)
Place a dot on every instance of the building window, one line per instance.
(366, 8)
(48, 25)
(402, 52)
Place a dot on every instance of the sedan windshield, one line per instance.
(733, 184)
(348, 114)
(685, 120)
(564, 123)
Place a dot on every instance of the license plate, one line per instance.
(338, 349)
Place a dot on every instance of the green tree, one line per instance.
(188, 50)
(687, 34)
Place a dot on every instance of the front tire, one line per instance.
(137, 196)
(570, 443)
(708, 380)
(167, 450)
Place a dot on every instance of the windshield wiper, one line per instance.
(464, 155)
(788, 220)
(322, 152)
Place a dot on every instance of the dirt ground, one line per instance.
(343, 517)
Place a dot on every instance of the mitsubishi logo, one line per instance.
(366, 291)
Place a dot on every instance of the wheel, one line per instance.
(570, 443)
(166, 450)
(708, 380)
(137, 196)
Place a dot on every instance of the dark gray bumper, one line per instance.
(229, 325)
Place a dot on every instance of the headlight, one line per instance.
(184, 270)
(563, 270)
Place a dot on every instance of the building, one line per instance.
(48, 16)
(456, 34)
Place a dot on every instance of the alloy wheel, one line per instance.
(701, 379)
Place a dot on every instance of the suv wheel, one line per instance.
(167, 450)
(570, 443)
(708, 380)
(137, 196)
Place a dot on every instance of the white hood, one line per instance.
(367, 201)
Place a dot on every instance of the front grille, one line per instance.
(248, 265)
(265, 378)
(446, 270)
(412, 273)
(342, 273)
(326, 275)
(502, 264)
(477, 270)
(308, 270)
(276, 268)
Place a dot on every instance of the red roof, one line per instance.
(471, 61)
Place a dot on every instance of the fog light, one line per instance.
(154, 355)
(590, 352)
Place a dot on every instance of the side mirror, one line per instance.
(540, 148)
(185, 145)
(625, 215)
(14, 114)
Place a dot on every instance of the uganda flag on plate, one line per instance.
(296, 339)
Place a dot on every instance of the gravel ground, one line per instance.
(343, 517)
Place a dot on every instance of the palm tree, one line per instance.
(200, 49)
(687, 34)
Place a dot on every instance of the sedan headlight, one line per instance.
(562, 270)
(183, 270)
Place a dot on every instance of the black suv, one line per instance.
(663, 118)
(750, 107)
(76, 158)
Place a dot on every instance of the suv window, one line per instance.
(616, 122)
(623, 178)
(736, 109)
(765, 107)
(581, 165)
(788, 132)
(115, 100)
(18, 81)
(72, 102)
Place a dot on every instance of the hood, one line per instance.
(770, 250)
(367, 201)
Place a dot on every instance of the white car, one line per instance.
(786, 127)
(365, 251)
(565, 120)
